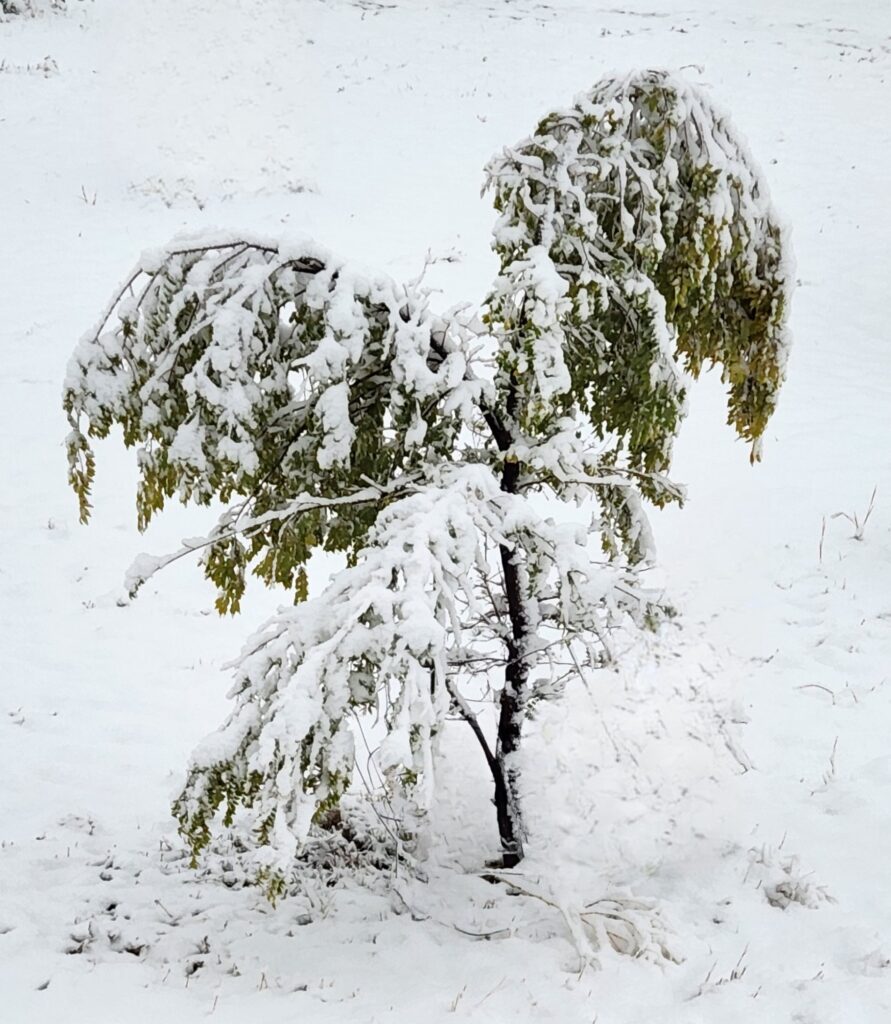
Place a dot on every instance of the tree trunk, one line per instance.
(506, 803)
(510, 718)
(512, 704)
(516, 678)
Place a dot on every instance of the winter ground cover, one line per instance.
(728, 784)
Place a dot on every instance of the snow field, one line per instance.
(729, 783)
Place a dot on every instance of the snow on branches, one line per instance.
(243, 368)
(329, 408)
(636, 238)
(390, 638)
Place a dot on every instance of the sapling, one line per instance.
(330, 408)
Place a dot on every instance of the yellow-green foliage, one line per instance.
(646, 205)
(332, 411)
(216, 362)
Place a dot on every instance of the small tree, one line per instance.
(333, 410)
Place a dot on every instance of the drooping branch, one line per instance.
(231, 526)
(637, 242)
(370, 641)
(243, 367)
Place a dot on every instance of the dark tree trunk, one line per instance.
(512, 707)
(510, 718)
(512, 703)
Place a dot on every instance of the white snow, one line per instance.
(727, 788)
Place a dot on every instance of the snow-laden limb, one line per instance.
(240, 366)
(620, 924)
(378, 638)
(385, 637)
(576, 464)
(233, 524)
(637, 240)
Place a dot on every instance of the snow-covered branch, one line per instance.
(637, 240)
(384, 639)
(241, 366)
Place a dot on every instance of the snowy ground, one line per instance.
(366, 125)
